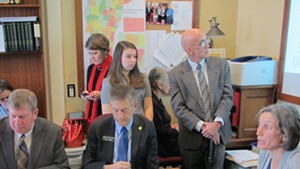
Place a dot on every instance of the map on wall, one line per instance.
(117, 20)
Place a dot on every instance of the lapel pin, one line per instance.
(140, 128)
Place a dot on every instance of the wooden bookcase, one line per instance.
(25, 69)
(252, 99)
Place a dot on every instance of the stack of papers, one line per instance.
(170, 52)
(245, 158)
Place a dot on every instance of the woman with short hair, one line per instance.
(278, 135)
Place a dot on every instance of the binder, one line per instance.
(14, 37)
(37, 36)
(9, 37)
(23, 35)
(236, 114)
(29, 36)
(3, 44)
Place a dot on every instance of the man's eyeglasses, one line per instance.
(204, 42)
(3, 99)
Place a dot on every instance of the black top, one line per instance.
(166, 135)
(98, 71)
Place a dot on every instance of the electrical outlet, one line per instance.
(71, 90)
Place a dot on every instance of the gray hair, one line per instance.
(155, 75)
(289, 123)
(22, 97)
(122, 92)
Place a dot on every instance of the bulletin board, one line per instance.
(80, 39)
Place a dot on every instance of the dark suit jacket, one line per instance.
(47, 149)
(100, 145)
(186, 100)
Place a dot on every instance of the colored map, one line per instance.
(118, 20)
(103, 16)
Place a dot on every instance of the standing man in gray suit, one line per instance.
(203, 130)
(28, 141)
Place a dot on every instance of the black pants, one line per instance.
(198, 159)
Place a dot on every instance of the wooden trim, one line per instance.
(196, 14)
(288, 98)
(280, 95)
(79, 45)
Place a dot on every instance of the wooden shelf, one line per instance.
(20, 6)
(240, 143)
(22, 52)
(25, 69)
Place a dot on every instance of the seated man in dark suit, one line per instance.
(26, 140)
(124, 140)
(167, 135)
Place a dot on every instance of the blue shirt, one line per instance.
(117, 140)
(3, 112)
(169, 12)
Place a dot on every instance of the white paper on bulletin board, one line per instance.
(182, 15)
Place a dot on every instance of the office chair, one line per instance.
(174, 161)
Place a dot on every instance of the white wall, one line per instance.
(61, 60)
(54, 61)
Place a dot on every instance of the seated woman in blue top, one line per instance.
(278, 136)
(5, 90)
(167, 135)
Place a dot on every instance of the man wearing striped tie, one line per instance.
(201, 98)
(26, 140)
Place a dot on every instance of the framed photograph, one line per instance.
(217, 52)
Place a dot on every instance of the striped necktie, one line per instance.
(204, 93)
(22, 153)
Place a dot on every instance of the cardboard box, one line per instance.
(254, 73)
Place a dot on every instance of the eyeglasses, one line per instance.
(204, 42)
(3, 99)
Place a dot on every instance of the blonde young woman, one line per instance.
(124, 70)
